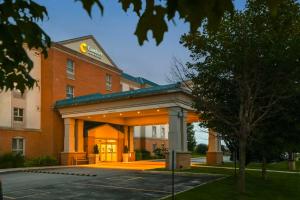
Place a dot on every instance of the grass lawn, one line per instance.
(196, 155)
(278, 186)
(280, 166)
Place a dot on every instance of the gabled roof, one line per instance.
(97, 98)
(63, 42)
(139, 80)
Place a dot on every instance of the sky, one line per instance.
(115, 32)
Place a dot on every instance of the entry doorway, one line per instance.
(108, 150)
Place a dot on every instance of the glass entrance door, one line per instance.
(108, 151)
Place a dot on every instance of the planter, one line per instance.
(93, 158)
(125, 157)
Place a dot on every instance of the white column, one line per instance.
(214, 154)
(184, 131)
(69, 137)
(126, 136)
(79, 136)
(131, 139)
(214, 143)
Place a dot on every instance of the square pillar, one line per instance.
(79, 136)
(178, 139)
(131, 143)
(69, 136)
(214, 155)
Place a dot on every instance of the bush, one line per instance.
(142, 155)
(41, 161)
(11, 160)
(201, 149)
(160, 153)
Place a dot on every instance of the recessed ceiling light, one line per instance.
(121, 114)
(89, 117)
(104, 115)
(138, 112)
(157, 110)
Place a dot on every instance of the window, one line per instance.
(108, 80)
(18, 114)
(153, 131)
(70, 69)
(70, 91)
(18, 146)
(162, 132)
(154, 146)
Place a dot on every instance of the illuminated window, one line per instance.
(18, 145)
(69, 91)
(18, 114)
(108, 80)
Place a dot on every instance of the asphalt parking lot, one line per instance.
(89, 183)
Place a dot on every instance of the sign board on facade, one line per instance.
(84, 48)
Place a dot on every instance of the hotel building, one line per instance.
(84, 100)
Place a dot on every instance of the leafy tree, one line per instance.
(191, 138)
(201, 149)
(243, 69)
(18, 24)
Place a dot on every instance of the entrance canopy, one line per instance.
(146, 106)
(168, 104)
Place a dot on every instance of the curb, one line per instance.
(182, 173)
(23, 169)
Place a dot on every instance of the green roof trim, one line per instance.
(96, 98)
(139, 80)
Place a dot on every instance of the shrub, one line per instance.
(201, 148)
(160, 153)
(11, 160)
(96, 149)
(41, 161)
(142, 155)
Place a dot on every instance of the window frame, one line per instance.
(162, 132)
(108, 82)
(18, 149)
(18, 114)
(70, 74)
(67, 91)
(154, 131)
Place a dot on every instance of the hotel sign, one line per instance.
(86, 49)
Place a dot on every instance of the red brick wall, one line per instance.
(89, 78)
(147, 143)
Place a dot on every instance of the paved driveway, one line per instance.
(90, 183)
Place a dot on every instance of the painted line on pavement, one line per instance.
(124, 188)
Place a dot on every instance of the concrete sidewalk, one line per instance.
(249, 169)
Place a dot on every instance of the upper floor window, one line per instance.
(153, 131)
(108, 81)
(18, 146)
(70, 69)
(18, 114)
(69, 91)
(163, 132)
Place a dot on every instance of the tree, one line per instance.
(244, 68)
(201, 149)
(191, 138)
(19, 26)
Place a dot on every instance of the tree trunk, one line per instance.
(292, 162)
(264, 167)
(1, 193)
(242, 162)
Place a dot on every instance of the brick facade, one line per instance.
(89, 78)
